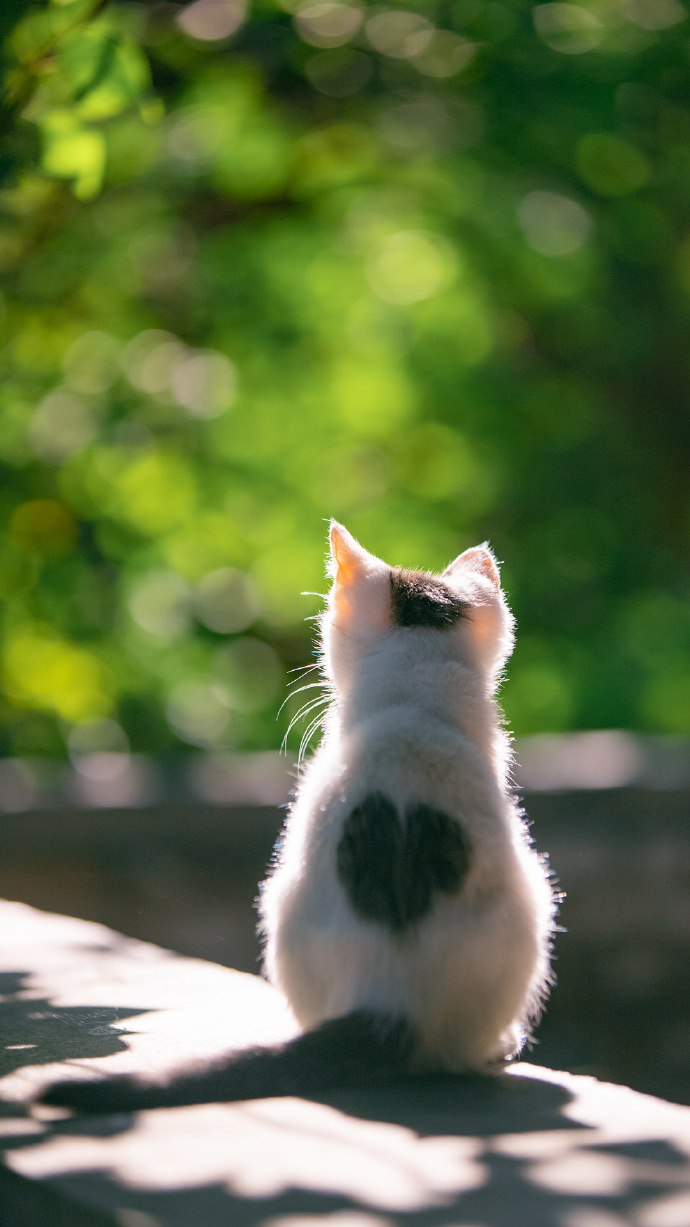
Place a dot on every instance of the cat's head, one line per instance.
(370, 601)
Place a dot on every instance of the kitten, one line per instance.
(405, 884)
(407, 919)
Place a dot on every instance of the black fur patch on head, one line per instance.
(391, 870)
(423, 600)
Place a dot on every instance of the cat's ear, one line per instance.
(358, 598)
(474, 575)
(348, 559)
(478, 559)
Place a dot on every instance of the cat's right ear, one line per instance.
(478, 562)
(474, 575)
(358, 600)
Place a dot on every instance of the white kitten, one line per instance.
(407, 919)
(405, 884)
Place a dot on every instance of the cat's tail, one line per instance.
(359, 1048)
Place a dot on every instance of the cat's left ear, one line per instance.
(360, 592)
(475, 576)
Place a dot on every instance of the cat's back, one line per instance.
(403, 787)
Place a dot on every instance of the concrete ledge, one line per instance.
(531, 1148)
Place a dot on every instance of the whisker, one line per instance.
(299, 685)
(305, 711)
(322, 701)
(307, 707)
(306, 737)
(316, 723)
(309, 686)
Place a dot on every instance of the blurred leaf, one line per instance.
(425, 271)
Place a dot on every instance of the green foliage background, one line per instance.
(427, 273)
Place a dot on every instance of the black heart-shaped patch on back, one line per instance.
(391, 869)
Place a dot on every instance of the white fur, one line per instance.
(414, 716)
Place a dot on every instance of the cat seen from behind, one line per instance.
(405, 884)
(406, 918)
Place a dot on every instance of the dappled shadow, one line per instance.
(403, 1152)
(35, 1032)
(476, 1104)
(417, 1152)
(507, 1150)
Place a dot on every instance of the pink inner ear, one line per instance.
(480, 559)
(348, 567)
(358, 579)
(343, 555)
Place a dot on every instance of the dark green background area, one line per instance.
(442, 299)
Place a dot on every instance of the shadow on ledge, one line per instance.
(33, 1031)
(527, 1148)
(427, 1152)
(503, 1151)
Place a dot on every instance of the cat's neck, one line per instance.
(437, 686)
